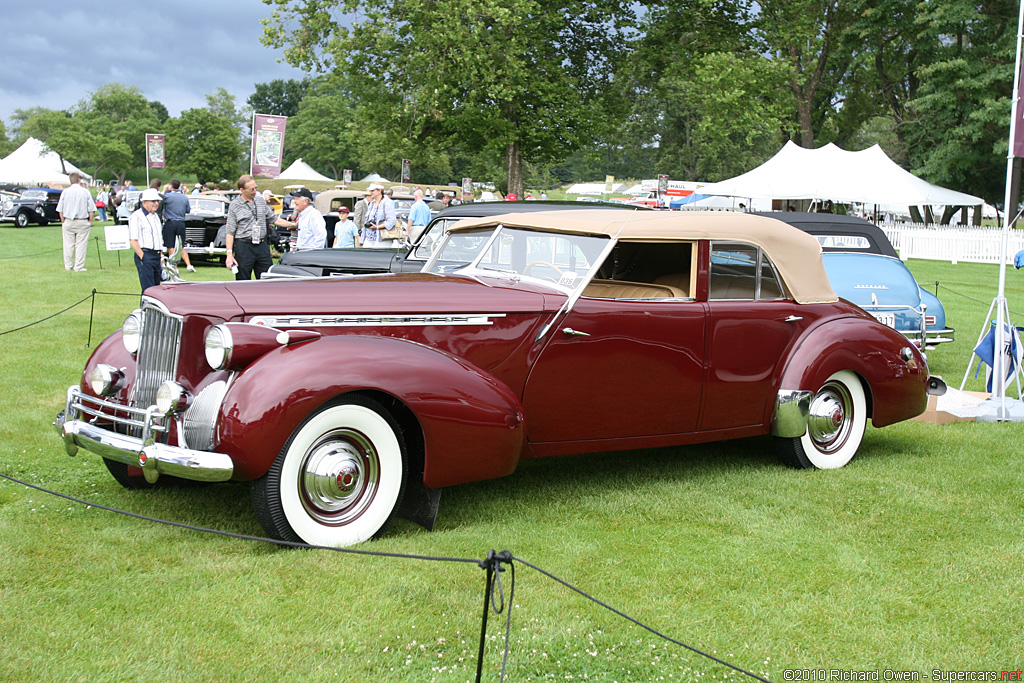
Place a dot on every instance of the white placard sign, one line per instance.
(116, 237)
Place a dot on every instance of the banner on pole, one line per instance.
(267, 144)
(346, 176)
(1018, 111)
(467, 188)
(406, 171)
(156, 155)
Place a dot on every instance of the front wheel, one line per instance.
(835, 426)
(339, 478)
(21, 220)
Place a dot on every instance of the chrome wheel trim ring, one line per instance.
(340, 477)
(831, 417)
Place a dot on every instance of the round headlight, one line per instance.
(106, 380)
(171, 397)
(131, 331)
(218, 346)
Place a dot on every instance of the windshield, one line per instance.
(208, 207)
(557, 259)
(34, 194)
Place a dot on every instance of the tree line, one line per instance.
(542, 92)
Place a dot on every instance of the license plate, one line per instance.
(887, 319)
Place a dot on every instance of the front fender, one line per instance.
(472, 424)
(897, 388)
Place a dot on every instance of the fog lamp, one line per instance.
(171, 397)
(106, 380)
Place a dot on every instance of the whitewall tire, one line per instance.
(339, 478)
(835, 428)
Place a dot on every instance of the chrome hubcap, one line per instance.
(830, 417)
(340, 476)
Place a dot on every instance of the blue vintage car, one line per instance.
(864, 268)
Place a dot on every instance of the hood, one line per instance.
(362, 294)
(855, 277)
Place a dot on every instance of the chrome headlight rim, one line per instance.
(172, 398)
(218, 346)
(106, 380)
(131, 331)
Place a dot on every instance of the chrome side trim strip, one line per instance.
(417, 320)
(792, 410)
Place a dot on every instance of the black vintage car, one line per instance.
(204, 226)
(35, 205)
(408, 259)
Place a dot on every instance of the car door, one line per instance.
(751, 328)
(618, 368)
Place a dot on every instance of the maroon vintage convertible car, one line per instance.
(347, 400)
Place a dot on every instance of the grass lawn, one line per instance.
(908, 559)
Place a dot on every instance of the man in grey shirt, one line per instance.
(250, 220)
(176, 207)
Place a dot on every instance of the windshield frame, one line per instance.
(435, 264)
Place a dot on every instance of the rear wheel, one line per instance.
(339, 478)
(21, 220)
(835, 427)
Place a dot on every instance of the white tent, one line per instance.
(33, 164)
(374, 178)
(868, 176)
(300, 170)
(596, 188)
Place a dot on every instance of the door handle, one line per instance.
(793, 319)
(574, 333)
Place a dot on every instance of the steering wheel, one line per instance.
(546, 264)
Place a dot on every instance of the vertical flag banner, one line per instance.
(609, 183)
(406, 171)
(156, 156)
(1017, 111)
(662, 188)
(267, 144)
(346, 176)
(467, 188)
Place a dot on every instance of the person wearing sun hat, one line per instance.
(146, 237)
(380, 215)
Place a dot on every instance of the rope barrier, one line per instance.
(78, 303)
(38, 253)
(493, 564)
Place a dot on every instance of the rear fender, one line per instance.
(896, 388)
(472, 424)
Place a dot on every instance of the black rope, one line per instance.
(38, 253)
(79, 303)
(969, 298)
(493, 563)
(638, 623)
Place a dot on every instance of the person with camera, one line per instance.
(380, 215)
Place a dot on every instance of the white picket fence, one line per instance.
(951, 243)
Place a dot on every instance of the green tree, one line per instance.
(6, 144)
(204, 144)
(279, 97)
(957, 125)
(114, 120)
(531, 81)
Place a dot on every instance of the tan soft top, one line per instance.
(796, 254)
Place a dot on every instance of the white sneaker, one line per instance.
(191, 269)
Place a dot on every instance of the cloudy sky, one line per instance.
(55, 54)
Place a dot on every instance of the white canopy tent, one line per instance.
(867, 176)
(33, 164)
(596, 188)
(374, 178)
(300, 170)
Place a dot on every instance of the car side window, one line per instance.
(742, 271)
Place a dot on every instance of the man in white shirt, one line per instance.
(76, 209)
(146, 236)
(310, 222)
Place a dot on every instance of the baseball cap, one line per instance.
(303, 192)
(375, 186)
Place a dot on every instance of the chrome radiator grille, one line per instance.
(158, 353)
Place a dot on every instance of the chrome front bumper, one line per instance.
(145, 452)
